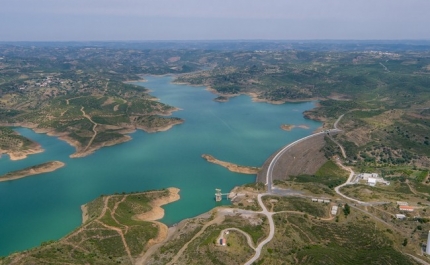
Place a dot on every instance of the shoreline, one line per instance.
(91, 150)
(35, 148)
(79, 149)
(31, 171)
(157, 212)
(254, 98)
(79, 152)
(232, 167)
(18, 155)
(253, 95)
(84, 209)
(160, 128)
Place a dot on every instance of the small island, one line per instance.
(221, 99)
(232, 167)
(287, 127)
(33, 170)
(304, 126)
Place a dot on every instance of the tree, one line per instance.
(405, 242)
(346, 210)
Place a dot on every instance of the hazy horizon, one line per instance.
(200, 20)
(224, 40)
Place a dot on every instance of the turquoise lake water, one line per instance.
(47, 206)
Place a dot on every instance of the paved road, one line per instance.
(269, 189)
(337, 121)
(348, 182)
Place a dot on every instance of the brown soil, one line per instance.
(84, 209)
(18, 155)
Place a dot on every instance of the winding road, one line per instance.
(94, 128)
(269, 214)
(271, 233)
(348, 182)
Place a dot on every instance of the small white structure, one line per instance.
(371, 182)
(321, 200)
(428, 244)
(400, 216)
(372, 178)
(334, 210)
(366, 176)
(402, 203)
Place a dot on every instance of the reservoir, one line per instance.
(47, 206)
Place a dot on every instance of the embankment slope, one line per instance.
(305, 157)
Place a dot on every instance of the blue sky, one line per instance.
(86, 20)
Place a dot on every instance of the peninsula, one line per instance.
(34, 170)
(116, 229)
(15, 145)
(232, 167)
(81, 104)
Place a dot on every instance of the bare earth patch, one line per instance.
(18, 155)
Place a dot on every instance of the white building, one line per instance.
(365, 176)
(428, 244)
(372, 178)
(400, 216)
(334, 210)
(371, 181)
